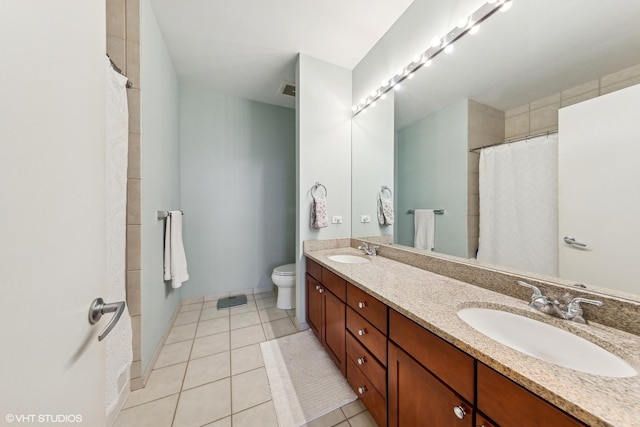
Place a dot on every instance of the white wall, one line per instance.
(410, 35)
(238, 191)
(160, 172)
(323, 153)
(372, 140)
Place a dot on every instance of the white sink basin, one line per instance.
(349, 259)
(546, 342)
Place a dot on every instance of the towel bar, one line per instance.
(164, 214)
(315, 187)
(435, 211)
(385, 188)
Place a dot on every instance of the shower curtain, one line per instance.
(119, 346)
(519, 205)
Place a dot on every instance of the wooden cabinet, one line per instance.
(482, 421)
(417, 397)
(326, 311)
(509, 404)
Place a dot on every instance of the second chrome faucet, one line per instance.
(571, 311)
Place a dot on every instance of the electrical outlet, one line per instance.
(365, 218)
(336, 219)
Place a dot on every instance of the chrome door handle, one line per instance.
(98, 308)
(572, 241)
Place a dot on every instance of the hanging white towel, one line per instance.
(385, 211)
(175, 260)
(319, 217)
(425, 221)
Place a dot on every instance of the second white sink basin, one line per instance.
(349, 259)
(546, 342)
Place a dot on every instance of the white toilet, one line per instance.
(284, 277)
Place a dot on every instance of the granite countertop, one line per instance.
(432, 301)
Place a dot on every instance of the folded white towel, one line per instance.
(175, 260)
(424, 237)
(385, 211)
(319, 217)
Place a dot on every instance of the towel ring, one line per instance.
(383, 189)
(315, 187)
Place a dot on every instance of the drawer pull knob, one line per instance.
(362, 389)
(361, 360)
(321, 290)
(361, 332)
(362, 304)
(459, 411)
(317, 287)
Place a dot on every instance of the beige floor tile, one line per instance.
(263, 295)
(181, 333)
(162, 382)
(328, 420)
(174, 353)
(363, 419)
(213, 326)
(244, 320)
(158, 413)
(187, 317)
(190, 307)
(291, 312)
(266, 302)
(353, 408)
(272, 313)
(247, 336)
(211, 344)
(279, 328)
(225, 422)
(207, 369)
(249, 389)
(204, 404)
(246, 359)
(213, 313)
(263, 415)
(343, 424)
(249, 306)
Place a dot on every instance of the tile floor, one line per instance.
(211, 373)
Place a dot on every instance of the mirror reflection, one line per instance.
(545, 73)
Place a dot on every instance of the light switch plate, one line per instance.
(365, 218)
(336, 219)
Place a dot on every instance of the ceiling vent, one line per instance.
(288, 89)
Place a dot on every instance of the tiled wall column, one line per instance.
(123, 46)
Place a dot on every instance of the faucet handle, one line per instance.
(574, 306)
(536, 291)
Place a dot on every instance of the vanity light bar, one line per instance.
(438, 45)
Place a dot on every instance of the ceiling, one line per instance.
(248, 48)
(537, 48)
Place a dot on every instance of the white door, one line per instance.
(52, 211)
(599, 190)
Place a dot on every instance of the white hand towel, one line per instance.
(175, 260)
(319, 217)
(385, 211)
(425, 220)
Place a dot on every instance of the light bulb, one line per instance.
(506, 6)
(400, 72)
(474, 29)
(448, 49)
(397, 86)
(385, 83)
(410, 76)
(428, 63)
(463, 23)
(373, 104)
(436, 42)
(354, 108)
(384, 96)
(374, 93)
(491, 1)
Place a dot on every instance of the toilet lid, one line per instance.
(285, 270)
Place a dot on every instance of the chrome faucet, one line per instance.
(572, 311)
(369, 250)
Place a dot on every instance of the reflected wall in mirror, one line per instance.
(506, 83)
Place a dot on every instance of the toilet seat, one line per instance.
(285, 270)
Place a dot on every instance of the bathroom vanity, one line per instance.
(393, 331)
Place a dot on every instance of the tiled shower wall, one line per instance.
(123, 46)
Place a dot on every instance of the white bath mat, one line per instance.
(305, 383)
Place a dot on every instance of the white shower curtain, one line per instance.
(118, 343)
(519, 205)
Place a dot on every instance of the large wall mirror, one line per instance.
(511, 81)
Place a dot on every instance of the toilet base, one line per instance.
(286, 298)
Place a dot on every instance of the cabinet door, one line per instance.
(334, 329)
(314, 306)
(418, 398)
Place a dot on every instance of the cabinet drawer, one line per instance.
(370, 367)
(454, 367)
(368, 307)
(373, 400)
(371, 338)
(507, 403)
(314, 269)
(335, 284)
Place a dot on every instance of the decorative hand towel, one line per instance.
(319, 218)
(385, 211)
(425, 220)
(175, 260)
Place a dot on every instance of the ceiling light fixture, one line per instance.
(468, 25)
